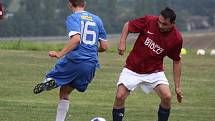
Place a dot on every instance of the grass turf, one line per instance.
(20, 70)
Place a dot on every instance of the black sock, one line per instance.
(163, 114)
(118, 114)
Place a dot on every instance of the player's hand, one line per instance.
(54, 54)
(179, 94)
(121, 49)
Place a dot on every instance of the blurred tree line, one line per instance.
(47, 17)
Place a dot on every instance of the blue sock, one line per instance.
(163, 114)
(118, 114)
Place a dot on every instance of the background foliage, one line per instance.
(47, 17)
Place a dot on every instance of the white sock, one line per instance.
(62, 109)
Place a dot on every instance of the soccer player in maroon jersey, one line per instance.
(158, 37)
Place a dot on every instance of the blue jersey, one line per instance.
(77, 67)
(91, 29)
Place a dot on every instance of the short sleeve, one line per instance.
(174, 52)
(102, 33)
(73, 26)
(137, 25)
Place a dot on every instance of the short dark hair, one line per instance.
(77, 3)
(168, 13)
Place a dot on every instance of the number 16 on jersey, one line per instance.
(86, 32)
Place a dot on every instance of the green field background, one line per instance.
(21, 69)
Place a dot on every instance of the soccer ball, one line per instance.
(98, 119)
(183, 51)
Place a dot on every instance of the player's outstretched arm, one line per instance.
(122, 42)
(72, 44)
(177, 79)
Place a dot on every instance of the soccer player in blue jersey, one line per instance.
(78, 59)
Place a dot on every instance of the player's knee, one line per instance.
(65, 92)
(120, 97)
(64, 97)
(166, 98)
(166, 101)
(119, 101)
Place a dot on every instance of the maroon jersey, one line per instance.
(152, 45)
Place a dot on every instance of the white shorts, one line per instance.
(147, 82)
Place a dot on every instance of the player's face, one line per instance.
(164, 24)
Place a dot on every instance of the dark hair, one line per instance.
(77, 3)
(168, 13)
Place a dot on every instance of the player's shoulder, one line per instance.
(178, 34)
(94, 16)
(72, 17)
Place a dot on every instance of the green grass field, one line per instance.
(20, 70)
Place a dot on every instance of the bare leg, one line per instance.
(164, 93)
(119, 103)
(121, 95)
